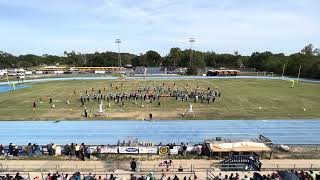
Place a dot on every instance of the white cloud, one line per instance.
(245, 25)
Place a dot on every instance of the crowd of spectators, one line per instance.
(83, 151)
(292, 175)
(90, 176)
(11, 177)
(80, 151)
(281, 175)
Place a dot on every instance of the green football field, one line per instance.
(241, 99)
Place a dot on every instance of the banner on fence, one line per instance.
(58, 150)
(129, 150)
(174, 150)
(190, 148)
(148, 150)
(109, 149)
(195, 149)
(163, 150)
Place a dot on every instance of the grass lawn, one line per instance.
(241, 99)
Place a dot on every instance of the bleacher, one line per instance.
(156, 70)
(240, 163)
(139, 70)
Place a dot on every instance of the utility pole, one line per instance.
(191, 40)
(284, 66)
(85, 60)
(118, 41)
(299, 74)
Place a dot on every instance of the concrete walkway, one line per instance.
(41, 168)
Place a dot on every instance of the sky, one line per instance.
(223, 26)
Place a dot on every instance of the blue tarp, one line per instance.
(7, 88)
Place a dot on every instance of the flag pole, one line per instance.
(284, 66)
(14, 87)
(299, 74)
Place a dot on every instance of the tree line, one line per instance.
(308, 58)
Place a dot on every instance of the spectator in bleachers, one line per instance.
(151, 176)
(88, 152)
(29, 150)
(313, 175)
(8, 176)
(76, 176)
(90, 177)
(163, 176)
(59, 177)
(50, 150)
(48, 177)
(10, 152)
(18, 177)
(77, 150)
(133, 165)
(246, 177)
(133, 177)
(1, 150)
(142, 177)
(67, 150)
(15, 151)
(175, 177)
(82, 149)
(36, 150)
(111, 177)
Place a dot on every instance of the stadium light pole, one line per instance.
(191, 40)
(118, 41)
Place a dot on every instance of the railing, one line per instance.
(142, 167)
(267, 167)
(231, 167)
(171, 168)
(244, 158)
(210, 175)
(59, 167)
(272, 167)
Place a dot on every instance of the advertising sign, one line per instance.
(175, 150)
(148, 150)
(109, 149)
(129, 150)
(163, 150)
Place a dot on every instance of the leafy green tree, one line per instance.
(210, 59)
(24, 64)
(198, 59)
(153, 58)
(174, 56)
(193, 70)
(7, 60)
(308, 50)
(308, 59)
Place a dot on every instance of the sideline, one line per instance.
(162, 78)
